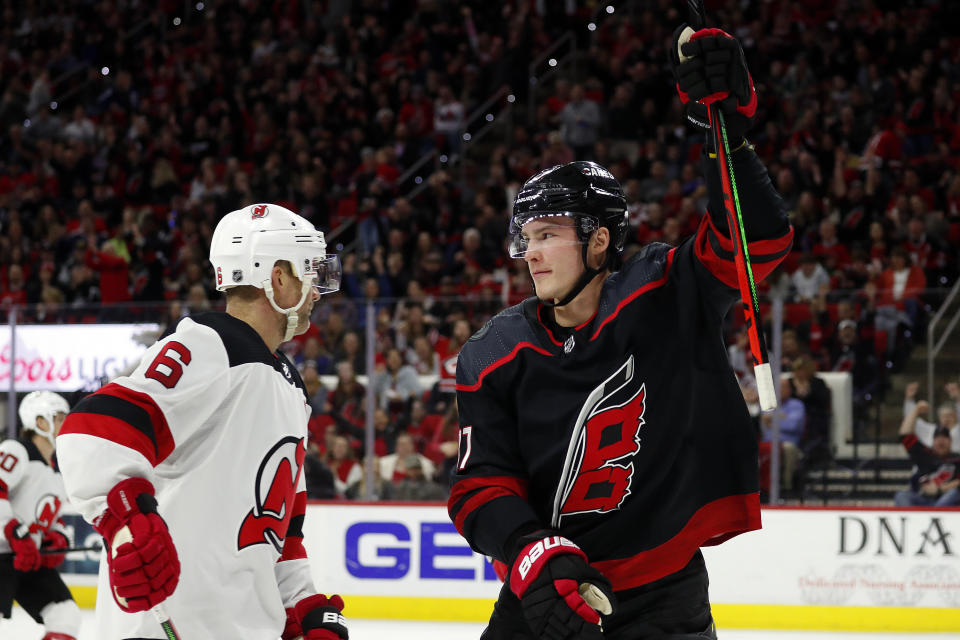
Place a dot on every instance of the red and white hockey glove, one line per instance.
(548, 576)
(316, 618)
(144, 567)
(26, 556)
(53, 540)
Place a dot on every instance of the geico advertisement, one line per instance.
(871, 558)
(878, 558)
(391, 550)
(68, 357)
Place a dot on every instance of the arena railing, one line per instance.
(863, 428)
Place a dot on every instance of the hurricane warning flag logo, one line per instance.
(598, 471)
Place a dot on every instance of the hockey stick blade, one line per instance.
(159, 612)
(597, 600)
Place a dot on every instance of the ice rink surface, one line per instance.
(21, 627)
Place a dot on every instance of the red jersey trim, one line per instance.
(712, 524)
(499, 363)
(765, 254)
(487, 488)
(545, 327)
(4, 491)
(636, 294)
(115, 429)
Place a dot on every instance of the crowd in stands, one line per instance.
(128, 129)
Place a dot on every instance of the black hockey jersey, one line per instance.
(630, 434)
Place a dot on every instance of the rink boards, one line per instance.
(831, 569)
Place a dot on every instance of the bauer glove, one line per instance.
(709, 67)
(548, 576)
(144, 567)
(316, 618)
(26, 556)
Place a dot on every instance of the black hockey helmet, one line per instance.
(582, 190)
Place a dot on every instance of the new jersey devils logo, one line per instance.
(46, 513)
(259, 211)
(598, 470)
(276, 487)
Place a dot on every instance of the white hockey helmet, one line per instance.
(45, 404)
(248, 242)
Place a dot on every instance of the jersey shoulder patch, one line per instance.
(647, 265)
(497, 339)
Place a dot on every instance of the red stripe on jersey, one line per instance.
(712, 524)
(499, 363)
(293, 549)
(4, 491)
(482, 497)
(487, 488)
(908, 441)
(724, 267)
(545, 327)
(121, 431)
(293, 542)
(112, 429)
(636, 294)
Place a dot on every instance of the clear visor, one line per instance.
(324, 274)
(543, 232)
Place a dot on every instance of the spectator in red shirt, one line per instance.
(835, 254)
(14, 291)
(898, 296)
(113, 270)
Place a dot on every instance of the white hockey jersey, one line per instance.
(30, 491)
(218, 424)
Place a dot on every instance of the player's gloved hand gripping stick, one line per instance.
(316, 617)
(562, 596)
(143, 563)
(713, 81)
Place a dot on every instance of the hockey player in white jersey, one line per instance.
(31, 499)
(198, 454)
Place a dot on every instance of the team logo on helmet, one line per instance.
(237, 275)
(259, 211)
(275, 490)
(597, 171)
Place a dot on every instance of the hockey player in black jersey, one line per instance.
(603, 436)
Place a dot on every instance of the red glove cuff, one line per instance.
(534, 557)
(121, 504)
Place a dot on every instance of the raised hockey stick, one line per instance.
(741, 252)
(43, 552)
(159, 612)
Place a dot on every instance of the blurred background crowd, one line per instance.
(129, 128)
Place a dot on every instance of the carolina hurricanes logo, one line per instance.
(598, 470)
(259, 211)
(276, 487)
(46, 514)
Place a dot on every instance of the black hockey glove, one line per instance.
(548, 576)
(320, 618)
(708, 66)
